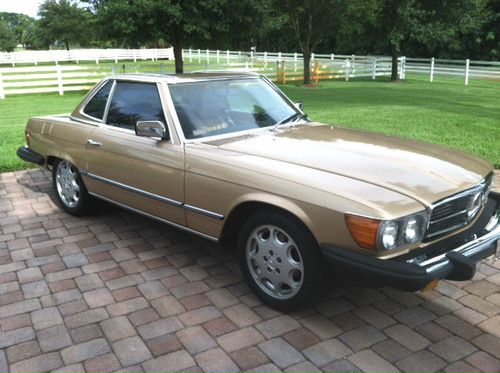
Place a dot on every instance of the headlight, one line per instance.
(387, 234)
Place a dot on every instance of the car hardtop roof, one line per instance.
(184, 78)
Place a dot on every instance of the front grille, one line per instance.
(455, 212)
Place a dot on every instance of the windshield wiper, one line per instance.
(292, 118)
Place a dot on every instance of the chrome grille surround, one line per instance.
(454, 212)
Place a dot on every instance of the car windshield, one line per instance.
(209, 108)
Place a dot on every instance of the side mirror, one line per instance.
(151, 128)
(299, 105)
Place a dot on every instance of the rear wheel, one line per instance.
(70, 191)
(280, 260)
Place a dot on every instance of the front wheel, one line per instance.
(280, 260)
(70, 191)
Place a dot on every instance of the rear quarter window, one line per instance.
(97, 104)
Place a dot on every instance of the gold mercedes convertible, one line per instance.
(229, 157)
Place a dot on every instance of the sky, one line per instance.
(29, 7)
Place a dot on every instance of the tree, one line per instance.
(18, 23)
(63, 21)
(311, 21)
(178, 22)
(7, 37)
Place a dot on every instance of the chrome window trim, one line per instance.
(157, 197)
(208, 138)
(211, 238)
(91, 96)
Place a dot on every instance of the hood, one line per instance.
(422, 171)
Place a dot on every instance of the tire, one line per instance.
(280, 260)
(71, 193)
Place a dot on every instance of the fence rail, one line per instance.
(81, 55)
(282, 67)
(465, 69)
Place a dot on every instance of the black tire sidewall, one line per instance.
(309, 251)
(82, 206)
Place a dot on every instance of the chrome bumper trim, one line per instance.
(468, 249)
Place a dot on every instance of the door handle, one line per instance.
(93, 143)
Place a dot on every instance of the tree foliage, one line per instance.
(63, 21)
(8, 40)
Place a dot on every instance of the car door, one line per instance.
(142, 173)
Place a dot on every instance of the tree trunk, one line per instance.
(67, 45)
(394, 70)
(307, 67)
(179, 64)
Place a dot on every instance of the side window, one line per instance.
(132, 102)
(97, 104)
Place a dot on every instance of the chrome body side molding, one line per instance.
(208, 237)
(170, 201)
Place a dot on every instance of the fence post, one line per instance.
(113, 69)
(227, 56)
(59, 80)
(13, 59)
(2, 93)
(218, 56)
(265, 57)
(332, 56)
(312, 56)
(190, 55)
(208, 56)
(432, 70)
(279, 56)
(134, 53)
(401, 68)
(374, 69)
(467, 65)
(346, 69)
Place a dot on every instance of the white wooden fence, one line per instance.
(78, 55)
(465, 69)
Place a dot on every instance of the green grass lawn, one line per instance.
(445, 112)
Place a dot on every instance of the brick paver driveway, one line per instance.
(118, 291)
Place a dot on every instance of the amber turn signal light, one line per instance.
(363, 230)
(28, 137)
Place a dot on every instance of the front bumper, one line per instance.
(29, 155)
(411, 273)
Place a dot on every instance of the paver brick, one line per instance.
(241, 315)
(215, 360)
(29, 275)
(54, 338)
(321, 326)
(117, 328)
(361, 338)
(174, 361)
(103, 363)
(369, 361)
(281, 352)
(21, 351)
(341, 365)
(152, 289)
(40, 363)
(16, 336)
(164, 344)
(301, 338)
(83, 351)
(480, 305)
(89, 282)
(131, 351)
(189, 288)
(239, 339)
(421, 361)
(488, 343)
(407, 337)
(453, 348)
(327, 351)
(86, 333)
(249, 358)
(200, 315)
(98, 298)
(86, 317)
(127, 306)
(491, 325)
(483, 361)
(196, 340)
(167, 306)
(391, 350)
(159, 327)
